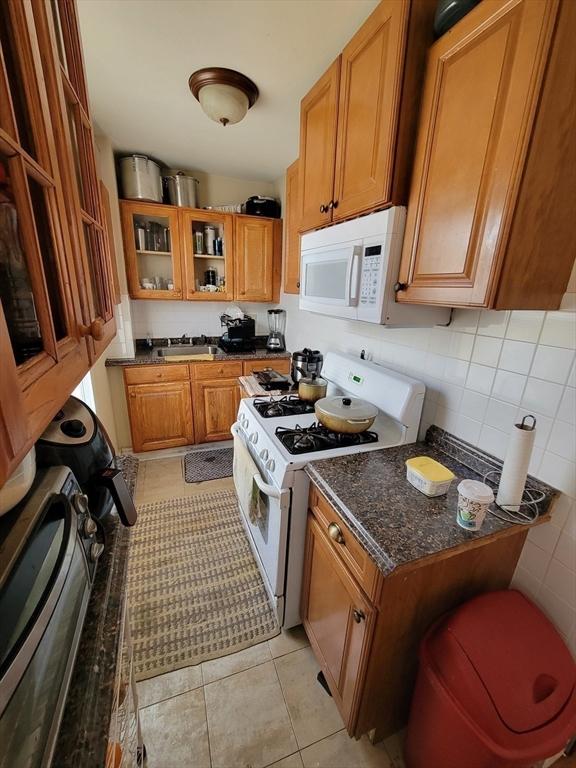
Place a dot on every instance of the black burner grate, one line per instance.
(289, 405)
(319, 438)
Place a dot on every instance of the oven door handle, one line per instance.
(266, 488)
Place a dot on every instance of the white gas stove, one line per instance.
(281, 440)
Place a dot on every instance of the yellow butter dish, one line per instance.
(428, 476)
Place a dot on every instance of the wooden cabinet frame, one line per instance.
(265, 262)
(172, 214)
(491, 226)
(187, 216)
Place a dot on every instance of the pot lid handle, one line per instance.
(346, 401)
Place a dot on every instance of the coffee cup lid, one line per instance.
(476, 491)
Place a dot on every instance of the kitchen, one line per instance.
(442, 337)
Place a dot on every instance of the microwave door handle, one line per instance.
(354, 274)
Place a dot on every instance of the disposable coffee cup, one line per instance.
(474, 498)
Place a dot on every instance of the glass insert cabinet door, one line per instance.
(153, 255)
(208, 255)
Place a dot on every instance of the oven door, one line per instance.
(42, 604)
(329, 279)
(266, 517)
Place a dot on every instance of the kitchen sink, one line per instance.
(187, 350)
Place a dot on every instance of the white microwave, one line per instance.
(349, 270)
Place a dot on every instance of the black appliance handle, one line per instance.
(113, 480)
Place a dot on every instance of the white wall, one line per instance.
(481, 373)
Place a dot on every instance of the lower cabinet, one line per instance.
(215, 408)
(365, 628)
(338, 618)
(179, 404)
(160, 415)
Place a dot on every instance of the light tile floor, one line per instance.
(259, 708)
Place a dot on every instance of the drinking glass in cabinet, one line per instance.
(152, 240)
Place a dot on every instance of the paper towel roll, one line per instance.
(516, 463)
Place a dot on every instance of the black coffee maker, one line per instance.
(239, 335)
(76, 439)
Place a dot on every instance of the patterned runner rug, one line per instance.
(208, 465)
(194, 589)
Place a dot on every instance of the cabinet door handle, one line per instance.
(400, 287)
(358, 615)
(95, 329)
(335, 533)
(332, 204)
(323, 208)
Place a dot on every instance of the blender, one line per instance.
(276, 326)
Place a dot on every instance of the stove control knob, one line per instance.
(80, 503)
(264, 454)
(271, 465)
(89, 527)
(95, 551)
(244, 421)
(254, 438)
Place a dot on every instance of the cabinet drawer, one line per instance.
(281, 365)
(349, 549)
(222, 369)
(152, 374)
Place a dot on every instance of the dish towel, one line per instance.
(248, 492)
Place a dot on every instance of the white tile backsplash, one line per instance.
(482, 374)
(174, 318)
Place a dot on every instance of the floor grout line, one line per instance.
(207, 726)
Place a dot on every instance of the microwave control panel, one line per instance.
(370, 276)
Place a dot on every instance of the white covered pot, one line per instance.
(345, 414)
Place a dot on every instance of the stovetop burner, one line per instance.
(289, 405)
(319, 438)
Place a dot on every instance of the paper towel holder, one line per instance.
(527, 427)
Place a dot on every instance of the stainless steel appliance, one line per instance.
(140, 178)
(49, 546)
(182, 189)
(239, 334)
(76, 439)
(305, 362)
(282, 436)
(276, 327)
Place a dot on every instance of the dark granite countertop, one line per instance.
(151, 357)
(83, 736)
(395, 522)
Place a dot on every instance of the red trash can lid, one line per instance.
(513, 651)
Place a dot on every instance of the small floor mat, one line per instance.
(200, 466)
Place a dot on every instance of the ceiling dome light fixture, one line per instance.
(224, 94)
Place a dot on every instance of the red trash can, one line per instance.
(496, 688)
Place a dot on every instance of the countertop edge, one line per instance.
(149, 359)
(384, 563)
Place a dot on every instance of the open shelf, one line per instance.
(205, 256)
(155, 253)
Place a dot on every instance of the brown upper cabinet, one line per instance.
(489, 222)
(358, 122)
(56, 309)
(257, 261)
(292, 239)
(166, 250)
